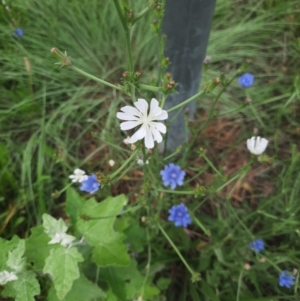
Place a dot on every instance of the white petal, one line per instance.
(149, 142)
(156, 134)
(159, 126)
(78, 171)
(128, 125)
(155, 110)
(125, 116)
(262, 145)
(162, 116)
(251, 144)
(138, 135)
(131, 111)
(142, 106)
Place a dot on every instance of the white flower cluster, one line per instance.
(78, 176)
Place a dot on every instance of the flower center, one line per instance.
(145, 119)
(173, 175)
(179, 214)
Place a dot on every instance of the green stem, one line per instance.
(65, 188)
(164, 97)
(129, 52)
(211, 112)
(142, 14)
(176, 250)
(148, 262)
(127, 35)
(211, 165)
(176, 191)
(177, 151)
(149, 88)
(96, 79)
(184, 103)
(207, 232)
(239, 287)
(124, 164)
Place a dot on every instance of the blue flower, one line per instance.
(172, 175)
(257, 245)
(179, 215)
(18, 33)
(90, 185)
(286, 279)
(246, 80)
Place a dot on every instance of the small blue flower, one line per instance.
(179, 215)
(18, 33)
(246, 80)
(257, 245)
(90, 185)
(286, 279)
(172, 175)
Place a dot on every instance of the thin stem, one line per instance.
(124, 164)
(96, 79)
(211, 165)
(148, 262)
(177, 151)
(207, 232)
(127, 35)
(129, 52)
(184, 103)
(215, 103)
(149, 88)
(176, 250)
(163, 101)
(65, 188)
(176, 191)
(142, 14)
(239, 287)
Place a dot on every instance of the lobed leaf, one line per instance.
(62, 265)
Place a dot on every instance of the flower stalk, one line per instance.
(124, 164)
(195, 276)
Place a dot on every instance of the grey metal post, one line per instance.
(187, 24)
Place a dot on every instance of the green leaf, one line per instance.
(208, 291)
(74, 203)
(136, 236)
(53, 226)
(98, 231)
(82, 289)
(23, 289)
(62, 265)
(37, 247)
(127, 282)
(5, 247)
(113, 252)
(15, 257)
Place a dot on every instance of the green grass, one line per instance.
(53, 120)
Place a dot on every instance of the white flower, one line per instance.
(139, 115)
(61, 238)
(111, 162)
(6, 276)
(257, 145)
(141, 162)
(78, 176)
